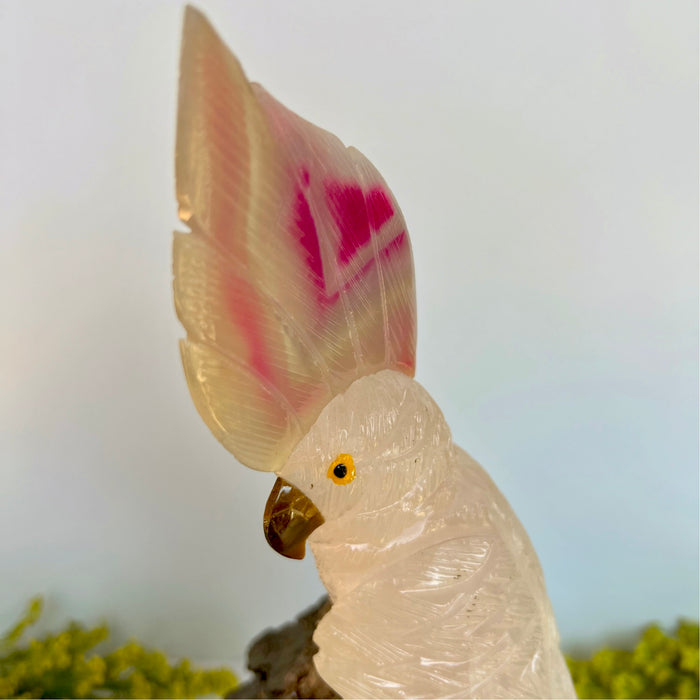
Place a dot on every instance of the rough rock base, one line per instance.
(282, 661)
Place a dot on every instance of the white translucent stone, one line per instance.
(436, 588)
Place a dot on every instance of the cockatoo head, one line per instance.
(370, 459)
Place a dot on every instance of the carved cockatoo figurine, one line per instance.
(296, 287)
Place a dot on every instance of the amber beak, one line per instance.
(290, 517)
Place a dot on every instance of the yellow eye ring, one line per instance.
(342, 469)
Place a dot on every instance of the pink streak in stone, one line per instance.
(242, 303)
(386, 252)
(346, 203)
(304, 222)
(394, 245)
(379, 207)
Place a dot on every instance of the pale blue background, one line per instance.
(545, 157)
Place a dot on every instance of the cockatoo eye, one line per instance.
(342, 469)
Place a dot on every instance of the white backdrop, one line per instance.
(545, 157)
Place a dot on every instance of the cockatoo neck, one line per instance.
(405, 528)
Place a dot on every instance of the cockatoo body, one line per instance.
(296, 288)
(436, 588)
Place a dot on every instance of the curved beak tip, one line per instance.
(289, 518)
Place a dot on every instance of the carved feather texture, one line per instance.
(436, 588)
(297, 276)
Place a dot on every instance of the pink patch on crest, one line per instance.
(242, 302)
(306, 226)
(304, 176)
(379, 207)
(386, 252)
(346, 203)
(394, 245)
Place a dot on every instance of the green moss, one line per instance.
(660, 666)
(63, 666)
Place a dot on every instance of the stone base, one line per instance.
(282, 661)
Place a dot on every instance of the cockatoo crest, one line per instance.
(297, 276)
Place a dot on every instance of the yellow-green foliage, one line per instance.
(60, 666)
(659, 667)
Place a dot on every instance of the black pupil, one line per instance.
(340, 470)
